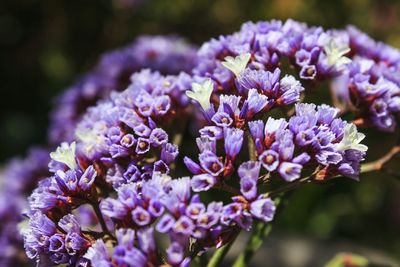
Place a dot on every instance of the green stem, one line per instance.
(219, 255)
(252, 148)
(260, 231)
(101, 220)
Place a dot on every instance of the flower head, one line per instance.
(237, 64)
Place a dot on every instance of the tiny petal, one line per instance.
(351, 139)
(65, 153)
(203, 182)
(237, 64)
(202, 93)
(87, 178)
(290, 171)
(263, 209)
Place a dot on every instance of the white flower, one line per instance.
(351, 139)
(335, 54)
(201, 93)
(237, 64)
(65, 153)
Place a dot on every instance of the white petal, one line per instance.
(202, 93)
(65, 153)
(237, 64)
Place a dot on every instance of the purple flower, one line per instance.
(326, 114)
(143, 145)
(192, 166)
(222, 119)
(165, 224)
(74, 242)
(250, 169)
(259, 79)
(257, 130)
(256, 101)
(67, 181)
(184, 226)
(98, 254)
(233, 141)
(69, 223)
(146, 240)
(211, 132)
(175, 253)
(231, 212)
(142, 130)
(211, 163)
(158, 137)
(169, 152)
(41, 225)
(132, 173)
(56, 243)
(113, 208)
(263, 209)
(125, 256)
(161, 105)
(290, 171)
(141, 216)
(273, 125)
(59, 258)
(308, 72)
(248, 187)
(155, 208)
(290, 90)
(194, 210)
(269, 159)
(203, 182)
(128, 141)
(87, 178)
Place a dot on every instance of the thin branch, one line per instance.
(101, 219)
(381, 162)
(291, 186)
(252, 149)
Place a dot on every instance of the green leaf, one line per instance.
(219, 255)
(260, 230)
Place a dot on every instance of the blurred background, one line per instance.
(46, 44)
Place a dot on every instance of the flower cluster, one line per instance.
(370, 84)
(113, 192)
(63, 243)
(313, 138)
(363, 45)
(167, 54)
(373, 94)
(136, 247)
(317, 54)
(18, 179)
(127, 136)
(183, 217)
